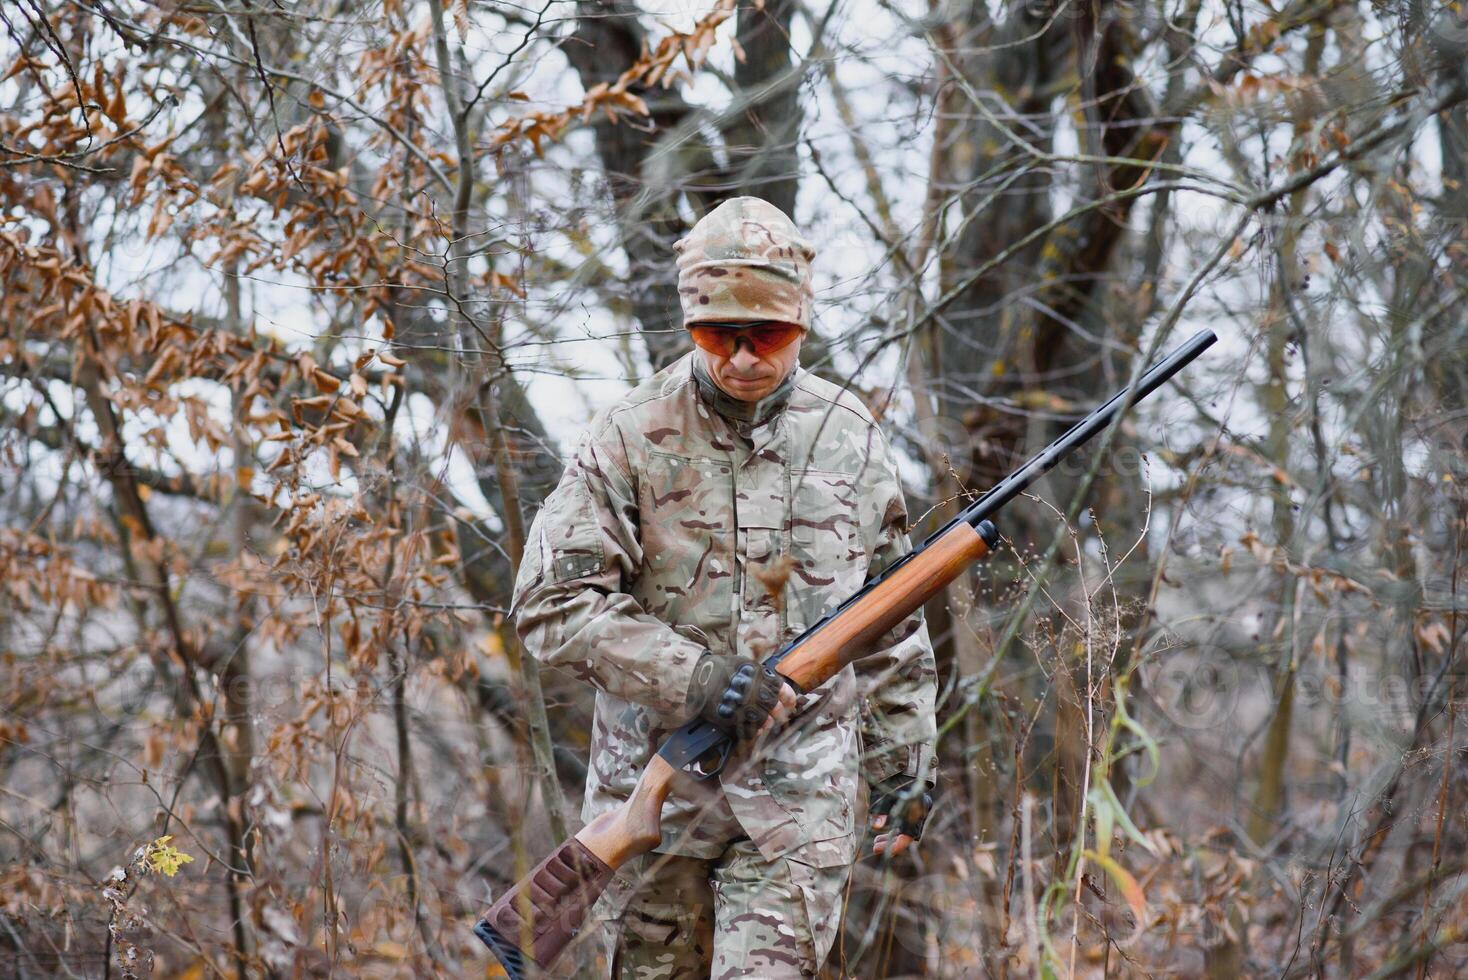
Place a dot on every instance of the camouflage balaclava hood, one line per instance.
(745, 260)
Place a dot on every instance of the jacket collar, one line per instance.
(744, 415)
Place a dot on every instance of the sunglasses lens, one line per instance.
(765, 339)
(715, 340)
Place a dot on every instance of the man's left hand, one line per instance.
(900, 807)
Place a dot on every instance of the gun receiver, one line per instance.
(536, 919)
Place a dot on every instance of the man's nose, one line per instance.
(744, 356)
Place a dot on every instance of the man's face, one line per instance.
(748, 361)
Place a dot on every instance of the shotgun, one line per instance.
(537, 919)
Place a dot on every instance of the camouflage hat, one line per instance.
(744, 260)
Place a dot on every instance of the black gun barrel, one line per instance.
(1038, 465)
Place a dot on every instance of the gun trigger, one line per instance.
(711, 763)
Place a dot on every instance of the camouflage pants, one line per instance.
(668, 917)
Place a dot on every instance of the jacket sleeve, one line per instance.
(900, 676)
(571, 606)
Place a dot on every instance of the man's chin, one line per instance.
(750, 391)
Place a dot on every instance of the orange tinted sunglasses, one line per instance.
(765, 338)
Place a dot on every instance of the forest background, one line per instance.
(303, 304)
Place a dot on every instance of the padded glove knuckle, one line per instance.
(734, 693)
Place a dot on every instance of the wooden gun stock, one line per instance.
(538, 918)
(533, 923)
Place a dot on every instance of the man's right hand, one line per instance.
(739, 695)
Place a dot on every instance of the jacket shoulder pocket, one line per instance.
(571, 534)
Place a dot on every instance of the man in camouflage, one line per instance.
(718, 510)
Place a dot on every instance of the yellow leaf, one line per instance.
(164, 858)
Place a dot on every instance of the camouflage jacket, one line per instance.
(650, 550)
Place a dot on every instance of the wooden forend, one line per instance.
(851, 635)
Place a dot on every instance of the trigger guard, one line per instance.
(711, 763)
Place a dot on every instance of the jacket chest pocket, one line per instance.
(761, 510)
(829, 561)
(759, 552)
(686, 531)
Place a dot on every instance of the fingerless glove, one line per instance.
(733, 693)
(906, 803)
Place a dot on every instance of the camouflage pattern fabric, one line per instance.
(678, 918)
(660, 541)
(745, 260)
